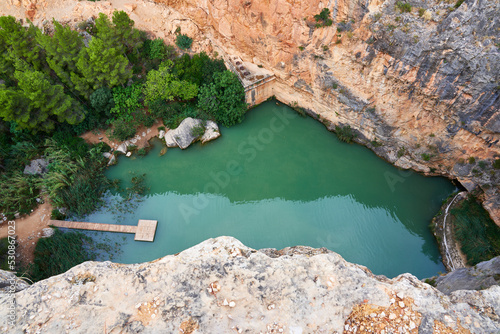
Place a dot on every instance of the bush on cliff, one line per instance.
(345, 133)
(183, 41)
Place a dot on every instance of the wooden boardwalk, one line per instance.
(144, 231)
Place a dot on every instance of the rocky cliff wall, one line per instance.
(481, 276)
(222, 286)
(424, 83)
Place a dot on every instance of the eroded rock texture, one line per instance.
(421, 88)
(222, 286)
(481, 276)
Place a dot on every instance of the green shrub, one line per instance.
(323, 18)
(144, 118)
(83, 195)
(157, 49)
(426, 156)
(403, 7)
(301, 48)
(91, 122)
(198, 131)
(431, 281)
(334, 85)
(472, 160)
(163, 84)
(127, 100)
(476, 232)
(183, 41)
(76, 146)
(482, 164)
(323, 15)
(421, 12)
(458, 3)
(496, 164)
(198, 69)
(4, 254)
(376, 17)
(76, 185)
(142, 152)
(137, 69)
(18, 193)
(122, 130)
(401, 152)
(301, 111)
(224, 99)
(20, 154)
(59, 253)
(160, 108)
(57, 215)
(345, 133)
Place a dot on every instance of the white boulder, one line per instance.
(183, 135)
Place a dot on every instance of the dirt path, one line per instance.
(143, 135)
(29, 230)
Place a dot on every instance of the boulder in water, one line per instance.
(186, 133)
(211, 132)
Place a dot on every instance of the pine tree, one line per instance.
(37, 103)
(101, 66)
(21, 43)
(6, 64)
(119, 34)
(124, 28)
(62, 52)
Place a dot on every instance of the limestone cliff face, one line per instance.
(426, 84)
(221, 286)
(481, 276)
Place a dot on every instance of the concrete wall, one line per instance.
(260, 92)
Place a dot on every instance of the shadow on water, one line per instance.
(291, 170)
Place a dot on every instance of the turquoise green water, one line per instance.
(279, 180)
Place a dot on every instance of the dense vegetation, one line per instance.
(476, 232)
(4, 256)
(104, 74)
(57, 85)
(62, 251)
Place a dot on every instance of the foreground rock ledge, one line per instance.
(222, 286)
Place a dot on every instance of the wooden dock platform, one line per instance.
(144, 231)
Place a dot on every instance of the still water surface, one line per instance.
(279, 180)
